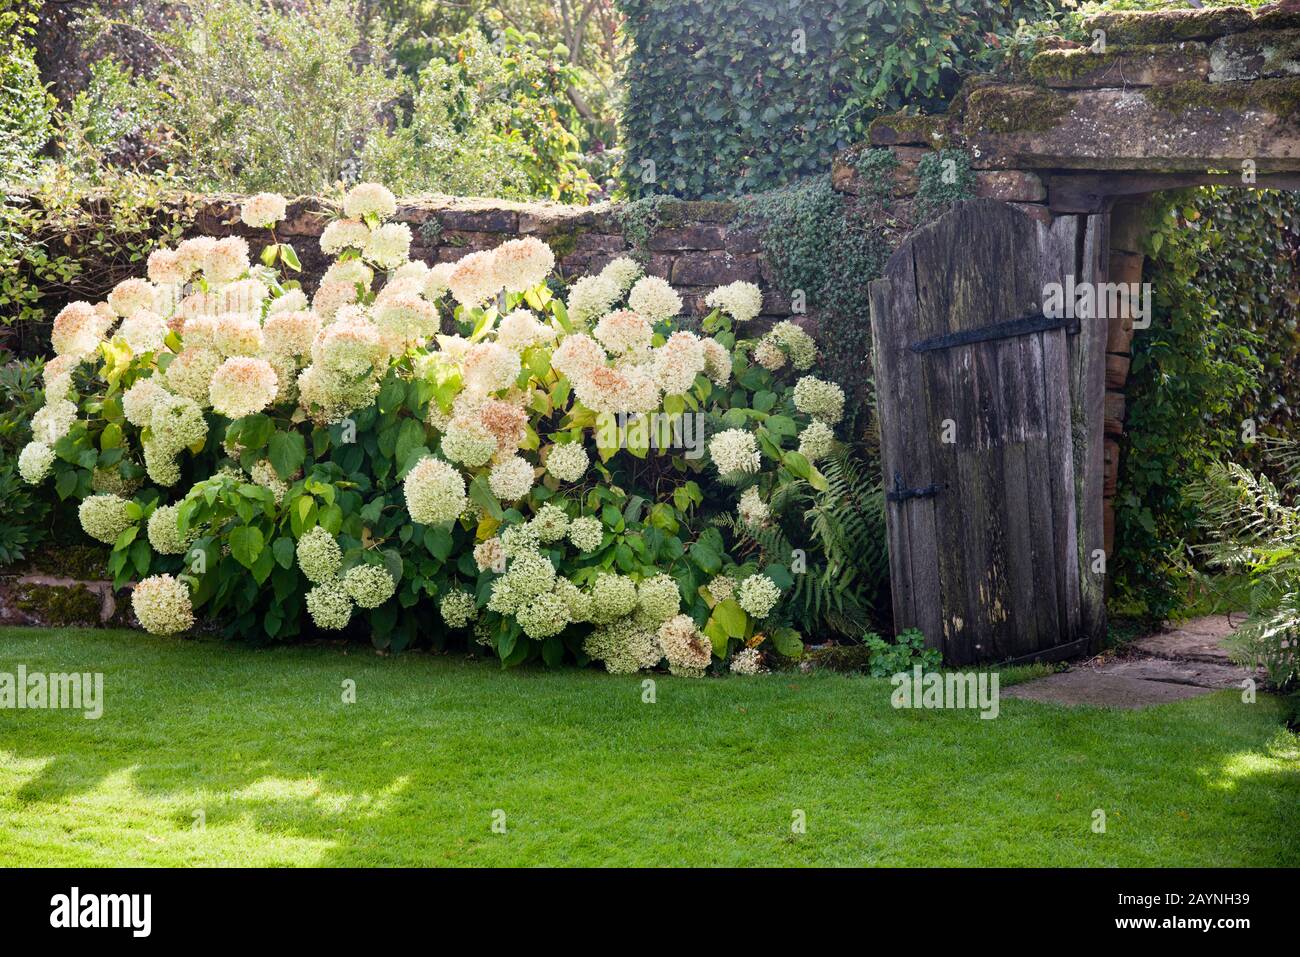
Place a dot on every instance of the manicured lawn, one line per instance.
(585, 773)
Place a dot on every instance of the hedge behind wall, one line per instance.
(733, 96)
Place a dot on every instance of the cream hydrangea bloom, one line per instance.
(262, 210)
(624, 646)
(343, 234)
(747, 661)
(622, 272)
(520, 329)
(177, 423)
(816, 441)
(226, 260)
(290, 333)
(164, 531)
(144, 332)
(734, 452)
(104, 517)
(34, 462)
(53, 421)
(435, 492)
(511, 479)
(473, 279)
(369, 199)
(490, 367)
(458, 609)
(131, 296)
(368, 585)
(329, 605)
(752, 510)
(742, 301)
(758, 595)
(242, 386)
(677, 362)
(687, 649)
(190, 373)
(586, 533)
(162, 604)
(138, 401)
(578, 356)
(319, 555)
(624, 331)
(654, 298)
(591, 297)
(76, 330)
(388, 246)
(521, 264)
(820, 399)
(291, 300)
(166, 267)
(568, 462)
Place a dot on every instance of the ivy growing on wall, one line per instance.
(735, 96)
(1221, 358)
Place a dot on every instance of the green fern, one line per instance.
(841, 531)
(1259, 533)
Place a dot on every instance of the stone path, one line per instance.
(1182, 663)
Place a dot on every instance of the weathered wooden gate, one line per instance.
(990, 417)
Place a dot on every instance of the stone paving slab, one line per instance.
(1202, 674)
(1200, 639)
(1102, 690)
(1184, 662)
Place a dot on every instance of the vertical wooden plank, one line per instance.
(917, 468)
(885, 361)
(1038, 483)
(1020, 636)
(1088, 399)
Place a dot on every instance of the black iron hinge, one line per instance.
(901, 493)
(999, 330)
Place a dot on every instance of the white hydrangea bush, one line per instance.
(464, 451)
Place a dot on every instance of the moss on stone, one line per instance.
(1072, 66)
(563, 241)
(1169, 26)
(1280, 96)
(908, 128)
(69, 560)
(1015, 109)
(60, 605)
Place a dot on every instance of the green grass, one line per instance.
(285, 773)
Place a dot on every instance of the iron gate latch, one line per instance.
(901, 493)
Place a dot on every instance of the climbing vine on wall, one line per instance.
(1221, 358)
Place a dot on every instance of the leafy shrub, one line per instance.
(262, 460)
(258, 96)
(23, 523)
(25, 105)
(75, 233)
(486, 120)
(736, 96)
(899, 656)
(1257, 531)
